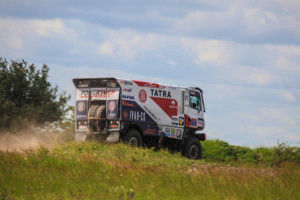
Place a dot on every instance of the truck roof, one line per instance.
(140, 83)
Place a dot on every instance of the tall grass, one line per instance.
(100, 171)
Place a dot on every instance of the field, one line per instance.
(93, 170)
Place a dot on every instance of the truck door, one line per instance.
(194, 110)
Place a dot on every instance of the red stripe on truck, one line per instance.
(169, 106)
(148, 84)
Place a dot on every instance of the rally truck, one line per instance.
(140, 113)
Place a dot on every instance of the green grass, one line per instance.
(100, 171)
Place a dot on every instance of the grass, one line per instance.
(100, 171)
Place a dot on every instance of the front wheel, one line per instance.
(133, 138)
(192, 148)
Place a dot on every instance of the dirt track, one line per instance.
(229, 170)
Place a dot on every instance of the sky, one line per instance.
(245, 55)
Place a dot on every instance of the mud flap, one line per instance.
(80, 136)
(113, 137)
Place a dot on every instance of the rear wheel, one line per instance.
(133, 138)
(192, 148)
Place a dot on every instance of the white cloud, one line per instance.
(258, 20)
(15, 32)
(49, 28)
(172, 62)
(289, 96)
(73, 51)
(126, 43)
(287, 5)
(208, 51)
(249, 75)
(107, 48)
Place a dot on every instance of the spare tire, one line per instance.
(92, 111)
(101, 116)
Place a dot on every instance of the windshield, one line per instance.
(195, 100)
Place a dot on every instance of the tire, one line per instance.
(91, 116)
(192, 148)
(101, 114)
(92, 111)
(133, 138)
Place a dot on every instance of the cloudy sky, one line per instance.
(245, 55)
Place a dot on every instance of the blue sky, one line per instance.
(245, 55)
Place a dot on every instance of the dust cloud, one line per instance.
(32, 140)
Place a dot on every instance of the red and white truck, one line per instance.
(139, 112)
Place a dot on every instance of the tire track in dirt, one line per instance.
(229, 170)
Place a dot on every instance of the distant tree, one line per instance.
(26, 94)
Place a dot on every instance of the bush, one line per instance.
(220, 151)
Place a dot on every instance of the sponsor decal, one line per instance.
(112, 108)
(127, 90)
(186, 97)
(126, 82)
(179, 133)
(181, 121)
(167, 132)
(127, 97)
(150, 113)
(127, 103)
(103, 94)
(169, 106)
(173, 104)
(125, 114)
(81, 109)
(137, 116)
(200, 122)
(173, 132)
(81, 106)
(160, 131)
(194, 122)
(84, 94)
(143, 96)
(149, 131)
(160, 93)
(174, 119)
(136, 113)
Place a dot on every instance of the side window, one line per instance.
(195, 100)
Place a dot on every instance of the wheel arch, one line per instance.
(133, 126)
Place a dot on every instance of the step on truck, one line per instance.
(140, 113)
